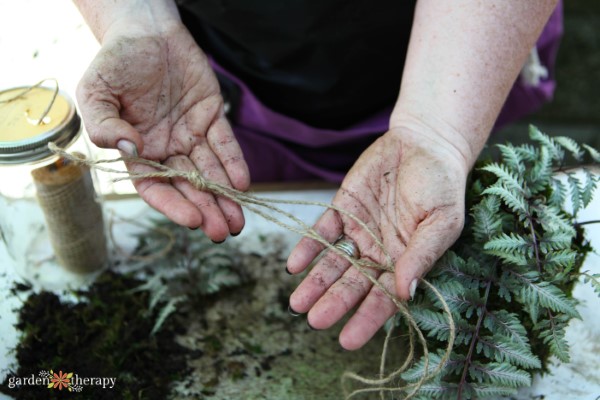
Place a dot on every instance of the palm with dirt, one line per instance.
(156, 96)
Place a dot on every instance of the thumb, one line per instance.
(103, 123)
(429, 242)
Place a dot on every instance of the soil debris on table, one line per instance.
(229, 338)
(104, 334)
(254, 349)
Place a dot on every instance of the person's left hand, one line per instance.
(408, 187)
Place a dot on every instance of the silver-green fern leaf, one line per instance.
(192, 267)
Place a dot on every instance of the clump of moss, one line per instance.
(105, 334)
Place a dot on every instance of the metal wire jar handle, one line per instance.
(29, 89)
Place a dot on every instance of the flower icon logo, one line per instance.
(60, 380)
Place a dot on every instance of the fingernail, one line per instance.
(310, 326)
(236, 234)
(288, 271)
(127, 147)
(292, 312)
(192, 229)
(412, 288)
(218, 242)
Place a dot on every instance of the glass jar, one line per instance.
(49, 211)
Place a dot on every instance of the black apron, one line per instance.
(328, 63)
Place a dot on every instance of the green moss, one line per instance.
(105, 334)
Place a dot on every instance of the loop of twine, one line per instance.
(258, 205)
(168, 234)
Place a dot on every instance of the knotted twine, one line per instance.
(267, 209)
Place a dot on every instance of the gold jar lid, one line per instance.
(24, 137)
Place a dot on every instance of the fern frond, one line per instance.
(158, 295)
(552, 332)
(469, 273)
(499, 374)
(214, 281)
(527, 152)
(418, 369)
(533, 309)
(558, 195)
(571, 146)
(594, 280)
(552, 219)
(511, 258)
(150, 285)
(502, 349)
(558, 345)
(546, 295)
(507, 178)
(475, 303)
(512, 243)
(512, 269)
(487, 222)
(486, 391)
(507, 324)
(591, 182)
(455, 295)
(540, 174)
(434, 323)
(576, 193)
(560, 261)
(555, 241)
(450, 261)
(595, 154)
(193, 265)
(505, 286)
(512, 158)
(438, 390)
(168, 309)
(515, 201)
(545, 141)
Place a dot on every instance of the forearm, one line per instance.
(463, 58)
(136, 16)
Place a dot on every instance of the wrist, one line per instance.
(437, 136)
(109, 18)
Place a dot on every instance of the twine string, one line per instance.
(267, 209)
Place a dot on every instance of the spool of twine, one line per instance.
(66, 195)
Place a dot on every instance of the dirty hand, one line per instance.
(152, 93)
(409, 189)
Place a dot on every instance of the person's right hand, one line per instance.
(151, 92)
